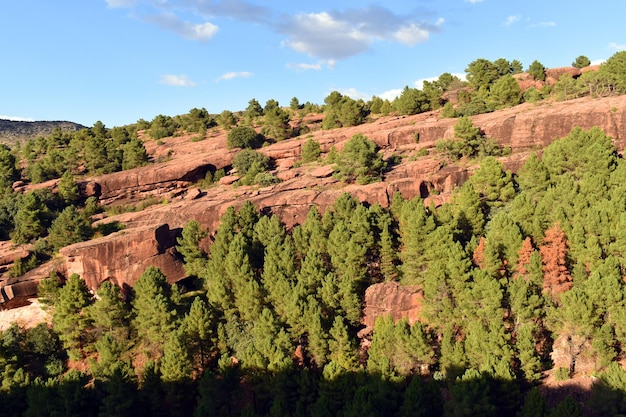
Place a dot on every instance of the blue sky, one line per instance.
(118, 61)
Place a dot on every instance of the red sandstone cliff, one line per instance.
(149, 237)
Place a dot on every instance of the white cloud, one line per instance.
(391, 94)
(616, 46)
(419, 84)
(194, 31)
(473, 1)
(321, 35)
(512, 19)
(339, 35)
(597, 61)
(177, 80)
(16, 118)
(411, 34)
(231, 75)
(354, 94)
(304, 66)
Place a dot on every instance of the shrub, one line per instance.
(448, 111)
(311, 150)
(532, 95)
(244, 137)
(537, 70)
(246, 158)
(359, 161)
(561, 374)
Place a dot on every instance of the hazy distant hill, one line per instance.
(12, 131)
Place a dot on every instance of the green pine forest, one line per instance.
(511, 269)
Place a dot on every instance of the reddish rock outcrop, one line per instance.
(123, 256)
(553, 74)
(391, 298)
(149, 235)
(573, 353)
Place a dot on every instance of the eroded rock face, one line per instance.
(393, 299)
(149, 235)
(123, 256)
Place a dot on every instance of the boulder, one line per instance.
(193, 194)
(574, 353)
(322, 172)
(393, 299)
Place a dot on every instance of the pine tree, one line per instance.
(566, 408)
(8, 168)
(176, 364)
(388, 248)
(341, 346)
(557, 278)
(533, 177)
(199, 328)
(416, 227)
(530, 362)
(134, 154)
(154, 309)
(534, 404)
(502, 242)
(278, 276)
(247, 293)
(317, 345)
(68, 189)
(70, 319)
(271, 341)
(608, 394)
(495, 186)
(28, 220)
(189, 247)
(120, 395)
(109, 313)
(422, 399)
(470, 396)
(310, 234)
(69, 227)
(469, 219)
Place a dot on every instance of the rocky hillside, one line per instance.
(149, 235)
(12, 131)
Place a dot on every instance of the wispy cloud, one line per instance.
(304, 66)
(232, 75)
(194, 31)
(473, 1)
(177, 80)
(616, 46)
(233, 9)
(512, 19)
(16, 118)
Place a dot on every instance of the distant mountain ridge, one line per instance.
(12, 131)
